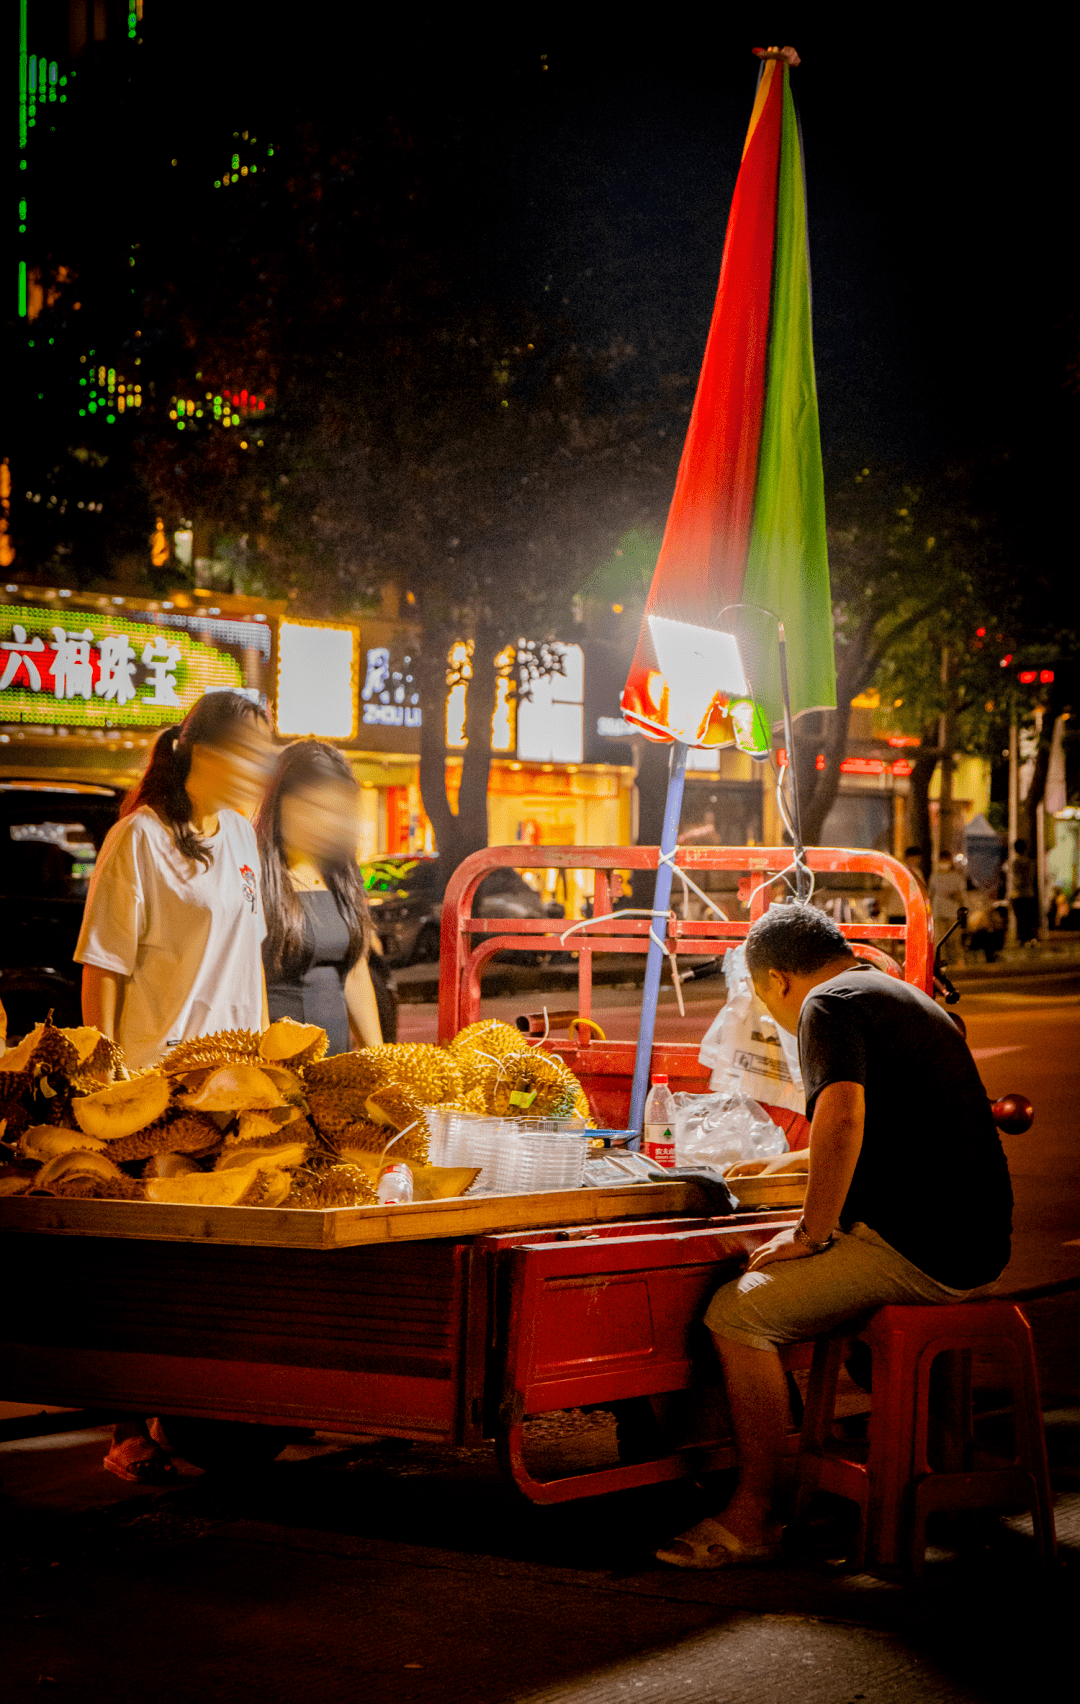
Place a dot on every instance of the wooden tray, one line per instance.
(775, 1189)
(344, 1227)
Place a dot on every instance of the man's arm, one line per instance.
(836, 1136)
(101, 995)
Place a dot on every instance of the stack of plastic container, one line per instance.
(540, 1153)
(467, 1139)
(515, 1156)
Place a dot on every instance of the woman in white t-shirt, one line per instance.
(171, 939)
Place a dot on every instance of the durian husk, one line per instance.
(333, 1186)
(103, 1064)
(170, 1165)
(442, 1183)
(346, 1074)
(240, 1186)
(532, 1084)
(391, 1104)
(288, 1043)
(85, 1176)
(234, 1088)
(122, 1108)
(272, 1156)
(186, 1133)
(45, 1142)
(17, 1060)
(14, 1181)
(226, 1047)
(264, 1125)
(490, 1036)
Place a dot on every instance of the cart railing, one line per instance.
(468, 942)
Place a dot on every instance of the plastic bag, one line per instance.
(747, 1050)
(722, 1129)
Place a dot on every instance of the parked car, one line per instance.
(50, 836)
(405, 896)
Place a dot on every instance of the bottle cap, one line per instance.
(659, 1077)
(397, 1168)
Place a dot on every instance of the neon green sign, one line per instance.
(73, 669)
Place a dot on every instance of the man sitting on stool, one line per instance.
(907, 1199)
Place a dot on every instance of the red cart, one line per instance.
(447, 1322)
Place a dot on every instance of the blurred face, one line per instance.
(321, 822)
(234, 775)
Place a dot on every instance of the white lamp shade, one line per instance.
(697, 663)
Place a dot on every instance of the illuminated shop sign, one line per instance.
(71, 668)
(389, 696)
(317, 678)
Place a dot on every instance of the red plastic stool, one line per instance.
(891, 1478)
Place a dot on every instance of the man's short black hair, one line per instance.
(794, 938)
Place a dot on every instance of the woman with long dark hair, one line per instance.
(318, 931)
(173, 926)
(171, 934)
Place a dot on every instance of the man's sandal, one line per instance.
(140, 1462)
(711, 1545)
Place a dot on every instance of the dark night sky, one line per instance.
(599, 190)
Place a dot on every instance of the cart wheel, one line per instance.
(228, 1446)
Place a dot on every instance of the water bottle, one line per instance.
(658, 1141)
(395, 1186)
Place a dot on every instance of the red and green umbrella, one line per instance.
(744, 546)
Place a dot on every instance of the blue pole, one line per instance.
(654, 963)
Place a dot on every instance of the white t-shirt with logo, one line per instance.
(188, 939)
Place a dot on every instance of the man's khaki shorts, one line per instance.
(792, 1300)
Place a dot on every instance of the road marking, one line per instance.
(992, 1052)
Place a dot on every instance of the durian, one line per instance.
(190, 1133)
(122, 1108)
(490, 1036)
(391, 1104)
(242, 1186)
(87, 1176)
(532, 1084)
(47, 1142)
(227, 1047)
(234, 1088)
(272, 1156)
(288, 1043)
(336, 1186)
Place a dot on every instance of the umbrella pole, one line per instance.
(801, 876)
(669, 839)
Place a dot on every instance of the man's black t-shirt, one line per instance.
(932, 1178)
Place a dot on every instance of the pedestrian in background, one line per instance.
(1025, 902)
(948, 892)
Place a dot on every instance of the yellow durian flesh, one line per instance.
(122, 1108)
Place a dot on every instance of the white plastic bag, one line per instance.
(746, 1049)
(722, 1129)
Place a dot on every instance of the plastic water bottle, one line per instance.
(658, 1141)
(395, 1186)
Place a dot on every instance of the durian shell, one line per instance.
(391, 1104)
(546, 1078)
(18, 1060)
(122, 1108)
(242, 1186)
(122, 1188)
(278, 1045)
(170, 1165)
(45, 1142)
(272, 1156)
(226, 1047)
(15, 1182)
(85, 1040)
(336, 1186)
(190, 1133)
(234, 1088)
(489, 1035)
(259, 1126)
(77, 1163)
